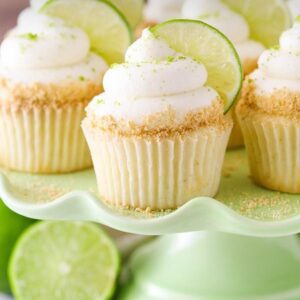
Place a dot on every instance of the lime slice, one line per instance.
(267, 19)
(64, 260)
(131, 9)
(109, 32)
(206, 44)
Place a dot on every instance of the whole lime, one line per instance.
(11, 226)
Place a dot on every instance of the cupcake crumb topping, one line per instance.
(18, 95)
(162, 124)
(281, 102)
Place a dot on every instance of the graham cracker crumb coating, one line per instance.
(27, 96)
(281, 102)
(163, 124)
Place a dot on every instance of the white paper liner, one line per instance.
(43, 140)
(273, 145)
(157, 173)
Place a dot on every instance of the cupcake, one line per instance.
(236, 28)
(269, 114)
(157, 11)
(294, 6)
(47, 76)
(157, 134)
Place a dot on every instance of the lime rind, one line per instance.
(39, 228)
(232, 96)
(108, 39)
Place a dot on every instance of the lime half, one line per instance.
(267, 18)
(131, 9)
(64, 260)
(206, 44)
(109, 32)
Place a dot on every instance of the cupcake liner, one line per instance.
(43, 139)
(236, 138)
(157, 173)
(273, 145)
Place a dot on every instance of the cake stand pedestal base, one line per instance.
(214, 266)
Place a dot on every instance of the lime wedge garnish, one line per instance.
(206, 44)
(267, 18)
(131, 9)
(109, 32)
(64, 260)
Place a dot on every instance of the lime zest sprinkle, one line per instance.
(170, 58)
(276, 47)
(81, 78)
(297, 20)
(100, 101)
(29, 36)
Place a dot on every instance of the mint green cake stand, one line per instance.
(240, 246)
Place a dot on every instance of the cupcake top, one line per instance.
(279, 68)
(158, 11)
(45, 50)
(156, 89)
(232, 24)
(275, 86)
(294, 6)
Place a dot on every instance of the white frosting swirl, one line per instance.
(29, 20)
(280, 68)
(294, 6)
(43, 49)
(232, 24)
(153, 79)
(158, 11)
(283, 63)
(267, 85)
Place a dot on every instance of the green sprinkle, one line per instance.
(250, 80)
(276, 47)
(81, 78)
(100, 101)
(297, 20)
(170, 58)
(29, 36)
